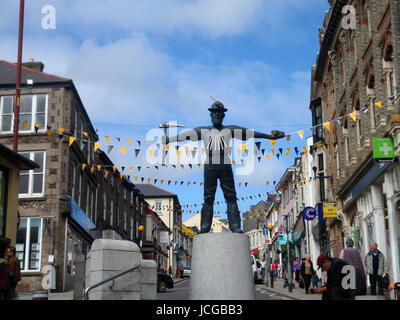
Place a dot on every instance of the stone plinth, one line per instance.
(148, 279)
(221, 267)
(108, 257)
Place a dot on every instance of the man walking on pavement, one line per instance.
(333, 290)
(376, 266)
(353, 256)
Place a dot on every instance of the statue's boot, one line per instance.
(206, 217)
(234, 217)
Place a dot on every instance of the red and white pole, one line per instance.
(19, 68)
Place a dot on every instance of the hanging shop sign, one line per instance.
(330, 210)
(164, 235)
(282, 239)
(383, 148)
(309, 213)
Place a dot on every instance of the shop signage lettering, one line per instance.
(330, 210)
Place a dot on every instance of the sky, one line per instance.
(137, 64)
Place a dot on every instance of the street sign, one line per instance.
(267, 241)
(330, 210)
(383, 148)
(309, 213)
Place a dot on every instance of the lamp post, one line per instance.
(290, 280)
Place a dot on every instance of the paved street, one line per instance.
(181, 292)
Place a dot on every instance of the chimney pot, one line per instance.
(35, 65)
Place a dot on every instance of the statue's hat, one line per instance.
(217, 106)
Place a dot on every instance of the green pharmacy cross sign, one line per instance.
(383, 148)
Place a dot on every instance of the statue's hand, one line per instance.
(276, 134)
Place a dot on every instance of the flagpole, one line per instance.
(19, 68)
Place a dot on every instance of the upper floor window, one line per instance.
(31, 182)
(33, 110)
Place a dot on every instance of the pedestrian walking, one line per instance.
(177, 272)
(15, 266)
(315, 280)
(354, 257)
(307, 270)
(170, 270)
(5, 280)
(296, 269)
(181, 271)
(376, 265)
(333, 290)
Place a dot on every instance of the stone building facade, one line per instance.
(62, 203)
(355, 87)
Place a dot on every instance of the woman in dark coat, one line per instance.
(307, 270)
(5, 280)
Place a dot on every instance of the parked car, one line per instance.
(187, 271)
(164, 282)
(257, 270)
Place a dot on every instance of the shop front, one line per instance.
(79, 235)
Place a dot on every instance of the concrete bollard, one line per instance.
(221, 267)
(107, 258)
(79, 280)
(148, 279)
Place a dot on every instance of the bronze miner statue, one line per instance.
(216, 141)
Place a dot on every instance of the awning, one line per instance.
(254, 251)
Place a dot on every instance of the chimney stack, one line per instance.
(32, 64)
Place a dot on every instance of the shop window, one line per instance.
(31, 182)
(33, 110)
(28, 244)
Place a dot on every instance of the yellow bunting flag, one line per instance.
(130, 168)
(91, 170)
(151, 152)
(162, 181)
(60, 130)
(71, 140)
(287, 154)
(324, 146)
(267, 157)
(179, 153)
(319, 146)
(107, 138)
(186, 149)
(305, 150)
(327, 126)
(255, 151)
(128, 140)
(353, 115)
(167, 146)
(25, 123)
(273, 151)
(123, 150)
(243, 148)
(379, 104)
(238, 152)
(121, 175)
(98, 167)
(148, 180)
(136, 178)
(202, 150)
(85, 133)
(106, 173)
(199, 164)
(301, 134)
(233, 162)
(83, 166)
(273, 142)
(240, 184)
(251, 160)
(114, 168)
(48, 133)
(96, 146)
(201, 183)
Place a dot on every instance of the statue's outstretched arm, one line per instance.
(275, 134)
(192, 134)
